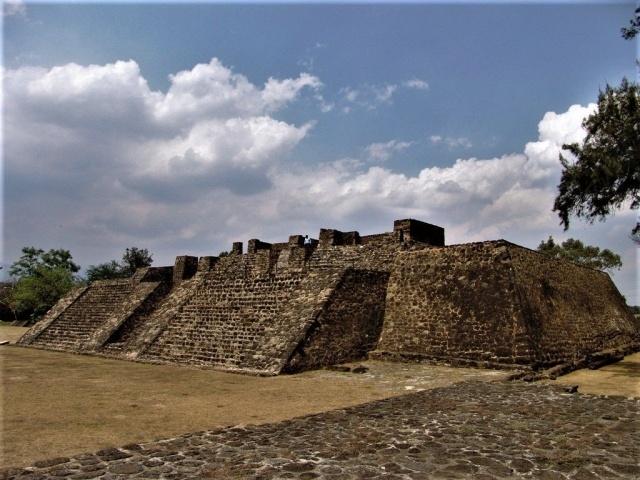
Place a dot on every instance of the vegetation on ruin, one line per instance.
(132, 259)
(104, 271)
(603, 172)
(577, 252)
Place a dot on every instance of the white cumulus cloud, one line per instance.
(383, 151)
(372, 96)
(209, 118)
(417, 84)
(96, 160)
(451, 142)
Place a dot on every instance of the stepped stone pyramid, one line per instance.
(298, 305)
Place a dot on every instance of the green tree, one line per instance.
(34, 259)
(132, 259)
(604, 172)
(634, 26)
(33, 295)
(41, 278)
(104, 271)
(577, 252)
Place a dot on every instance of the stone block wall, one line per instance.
(87, 317)
(75, 327)
(569, 312)
(225, 323)
(455, 303)
(307, 303)
(498, 304)
(349, 325)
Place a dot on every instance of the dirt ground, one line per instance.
(622, 378)
(11, 334)
(58, 404)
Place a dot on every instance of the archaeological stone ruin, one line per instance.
(305, 304)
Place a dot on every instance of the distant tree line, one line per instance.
(40, 278)
(132, 259)
(577, 252)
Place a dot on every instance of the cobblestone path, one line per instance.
(474, 430)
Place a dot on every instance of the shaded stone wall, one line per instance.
(349, 324)
(151, 324)
(498, 304)
(455, 303)
(244, 324)
(132, 318)
(569, 311)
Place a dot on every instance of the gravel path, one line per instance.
(470, 430)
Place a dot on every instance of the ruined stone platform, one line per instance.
(305, 304)
(470, 430)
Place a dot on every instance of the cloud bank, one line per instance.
(95, 160)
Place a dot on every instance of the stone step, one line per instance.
(73, 328)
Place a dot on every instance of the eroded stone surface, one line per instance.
(297, 305)
(471, 430)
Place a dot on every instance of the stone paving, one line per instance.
(470, 430)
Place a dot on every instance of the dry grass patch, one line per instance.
(621, 378)
(59, 404)
(11, 334)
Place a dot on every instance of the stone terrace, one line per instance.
(469, 430)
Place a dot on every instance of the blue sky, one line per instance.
(372, 106)
(494, 70)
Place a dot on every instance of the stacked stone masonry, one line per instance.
(307, 303)
(75, 326)
(499, 304)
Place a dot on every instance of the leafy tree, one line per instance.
(34, 259)
(104, 271)
(606, 170)
(634, 26)
(577, 252)
(33, 295)
(7, 311)
(41, 279)
(132, 259)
